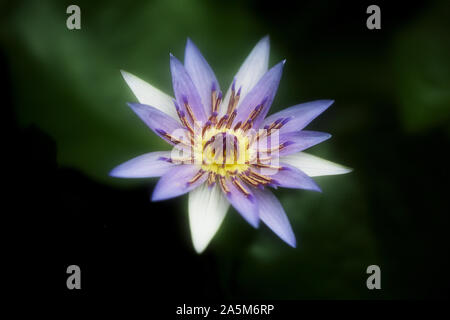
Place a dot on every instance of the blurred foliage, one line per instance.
(421, 62)
(68, 84)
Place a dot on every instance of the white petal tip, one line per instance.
(207, 209)
(292, 243)
(126, 75)
(199, 249)
(340, 169)
(346, 170)
(264, 40)
(314, 166)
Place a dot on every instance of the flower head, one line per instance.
(225, 150)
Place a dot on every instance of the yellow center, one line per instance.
(223, 151)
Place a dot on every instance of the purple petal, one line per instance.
(272, 214)
(291, 177)
(299, 116)
(247, 206)
(177, 181)
(299, 141)
(151, 164)
(263, 91)
(159, 122)
(201, 74)
(185, 89)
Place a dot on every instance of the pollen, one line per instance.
(223, 151)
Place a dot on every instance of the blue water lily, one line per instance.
(225, 149)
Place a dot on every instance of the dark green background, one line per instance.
(68, 125)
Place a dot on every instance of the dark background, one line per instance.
(66, 124)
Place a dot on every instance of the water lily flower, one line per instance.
(225, 149)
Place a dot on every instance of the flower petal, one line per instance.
(207, 209)
(289, 177)
(272, 214)
(160, 122)
(262, 93)
(185, 90)
(177, 181)
(149, 95)
(299, 141)
(276, 144)
(144, 166)
(251, 71)
(245, 205)
(314, 166)
(201, 74)
(299, 116)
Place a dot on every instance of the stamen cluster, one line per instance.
(228, 150)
